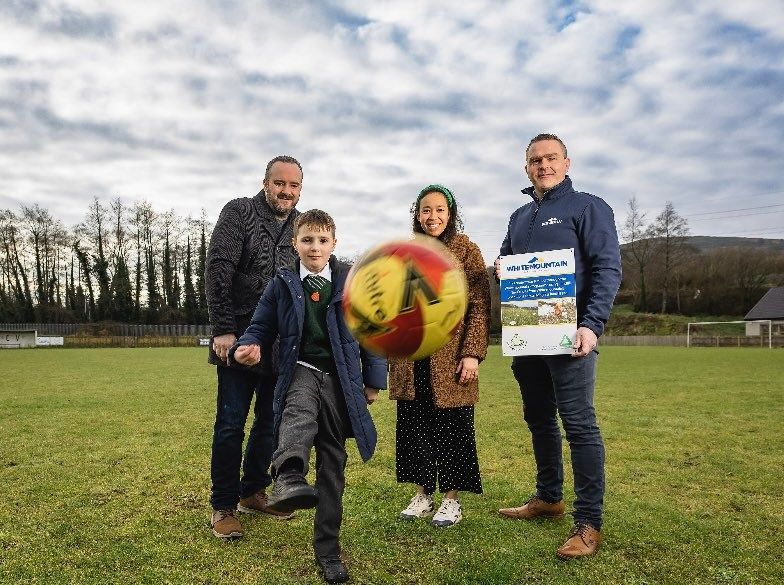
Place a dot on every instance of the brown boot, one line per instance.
(225, 524)
(583, 541)
(535, 507)
(257, 504)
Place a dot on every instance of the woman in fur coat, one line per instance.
(435, 439)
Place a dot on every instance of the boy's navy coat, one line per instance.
(281, 311)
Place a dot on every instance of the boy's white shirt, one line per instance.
(326, 272)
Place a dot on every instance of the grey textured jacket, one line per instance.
(247, 247)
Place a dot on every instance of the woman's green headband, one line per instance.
(450, 199)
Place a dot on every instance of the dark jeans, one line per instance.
(564, 385)
(315, 415)
(235, 393)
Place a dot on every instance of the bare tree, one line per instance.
(95, 229)
(38, 224)
(119, 221)
(638, 248)
(142, 216)
(122, 300)
(169, 277)
(14, 268)
(670, 231)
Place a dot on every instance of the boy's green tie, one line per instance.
(313, 284)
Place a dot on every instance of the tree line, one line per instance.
(125, 263)
(665, 273)
(132, 264)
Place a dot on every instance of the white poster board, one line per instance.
(538, 303)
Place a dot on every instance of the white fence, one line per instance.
(117, 329)
(680, 340)
(656, 340)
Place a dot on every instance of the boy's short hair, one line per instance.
(314, 218)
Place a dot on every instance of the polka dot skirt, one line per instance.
(435, 444)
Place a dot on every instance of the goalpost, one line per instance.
(761, 321)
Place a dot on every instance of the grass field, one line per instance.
(104, 468)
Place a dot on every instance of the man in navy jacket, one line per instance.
(559, 217)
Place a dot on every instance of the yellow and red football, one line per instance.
(405, 298)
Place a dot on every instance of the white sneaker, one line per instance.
(449, 514)
(421, 506)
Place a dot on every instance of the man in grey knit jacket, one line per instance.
(251, 240)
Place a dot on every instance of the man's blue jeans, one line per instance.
(235, 393)
(561, 384)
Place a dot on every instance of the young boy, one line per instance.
(324, 386)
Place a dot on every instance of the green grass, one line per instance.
(104, 468)
(517, 316)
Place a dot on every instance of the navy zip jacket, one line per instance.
(566, 218)
(281, 311)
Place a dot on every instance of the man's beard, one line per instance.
(277, 210)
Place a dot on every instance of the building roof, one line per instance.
(770, 306)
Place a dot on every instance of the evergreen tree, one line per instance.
(153, 298)
(191, 306)
(201, 266)
(122, 294)
(80, 304)
(84, 265)
(167, 273)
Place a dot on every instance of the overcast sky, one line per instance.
(183, 103)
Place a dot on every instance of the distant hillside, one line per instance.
(703, 243)
(624, 321)
(706, 243)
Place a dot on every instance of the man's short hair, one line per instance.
(543, 137)
(315, 218)
(284, 159)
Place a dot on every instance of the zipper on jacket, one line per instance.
(531, 225)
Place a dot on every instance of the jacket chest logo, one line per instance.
(551, 221)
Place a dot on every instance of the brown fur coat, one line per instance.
(470, 340)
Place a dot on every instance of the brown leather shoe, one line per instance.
(535, 507)
(583, 541)
(225, 524)
(257, 504)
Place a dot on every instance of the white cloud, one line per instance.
(184, 102)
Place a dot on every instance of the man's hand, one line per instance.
(468, 368)
(584, 342)
(371, 395)
(222, 343)
(247, 355)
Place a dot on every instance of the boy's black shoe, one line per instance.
(291, 492)
(333, 569)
